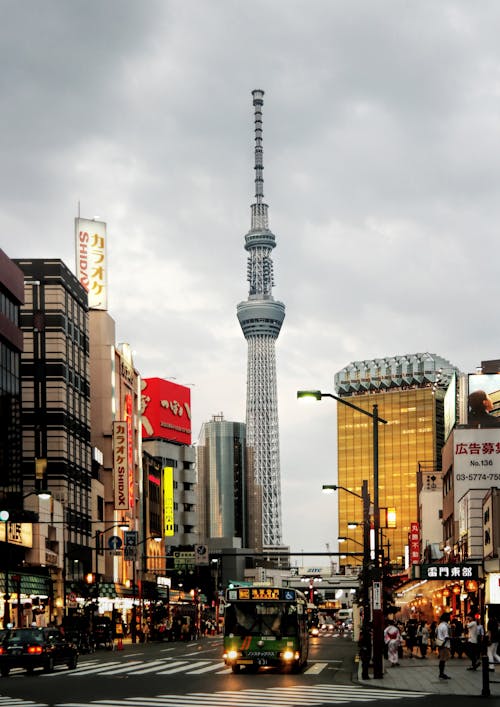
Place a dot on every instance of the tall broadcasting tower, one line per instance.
(260, 318)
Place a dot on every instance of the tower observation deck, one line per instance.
(260, 318)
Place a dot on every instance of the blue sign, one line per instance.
(114, 542)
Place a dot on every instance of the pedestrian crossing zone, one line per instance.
(295, 696)
(138, 667)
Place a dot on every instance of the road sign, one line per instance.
(115, 542)
(201, 554)
(184, 559)
(130, 549)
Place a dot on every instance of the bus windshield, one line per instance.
(261, 619)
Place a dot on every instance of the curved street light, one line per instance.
(377, 590)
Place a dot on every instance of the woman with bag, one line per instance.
(443, 644)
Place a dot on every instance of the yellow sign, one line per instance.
(168, 501)
(17, 534)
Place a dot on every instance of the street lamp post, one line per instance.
(378, 616)
(364, 496)
(122, 525)
(133, 627)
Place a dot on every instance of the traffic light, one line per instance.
(4, 516)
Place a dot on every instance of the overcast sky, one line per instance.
(382, 175)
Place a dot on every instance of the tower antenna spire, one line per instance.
(259, 208)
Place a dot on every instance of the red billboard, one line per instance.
(166, 410)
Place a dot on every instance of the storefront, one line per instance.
(27, 599)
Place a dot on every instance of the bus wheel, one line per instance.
(235, 668)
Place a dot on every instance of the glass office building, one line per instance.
(409, 392)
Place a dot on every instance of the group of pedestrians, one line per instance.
(445, 638)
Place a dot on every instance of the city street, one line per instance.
(184, 673)
(192, 673)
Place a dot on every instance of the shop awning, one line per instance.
(29, 584)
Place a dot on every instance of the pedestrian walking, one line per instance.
(443, 641)
(457, 630)
(411, 636)
(473, 645)
(393, 640)
(423, 638)
(493, 638)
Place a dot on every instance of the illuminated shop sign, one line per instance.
(444, 572)
(166, 410)
(90, 239)
(168, 501)
(121, 486)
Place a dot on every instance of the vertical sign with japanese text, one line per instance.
(130, 449)
(120, 466)
(168, 501)
(414, 543)
(90, 241)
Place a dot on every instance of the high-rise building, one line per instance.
(229, 504)
(56, 415)
(11, 345)
(261, 317)
(166, 437)
(409, 392)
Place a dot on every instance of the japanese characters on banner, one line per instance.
(130, 449)
(120, 466)
(462, 571)
(90, 241)
(168, 501)
(476, 460)
(166, 410)
(414, 543)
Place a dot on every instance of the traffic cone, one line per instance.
(119, 644)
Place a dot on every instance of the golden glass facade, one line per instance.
(412, 435)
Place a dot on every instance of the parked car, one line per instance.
(31, 648)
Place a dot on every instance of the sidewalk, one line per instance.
(421, 675)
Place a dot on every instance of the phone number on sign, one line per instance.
(477, 477)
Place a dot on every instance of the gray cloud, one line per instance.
(381, 144)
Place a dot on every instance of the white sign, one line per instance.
(201, 554)
(90, 241)
(120, 466)
(377, 596)
(476, 457)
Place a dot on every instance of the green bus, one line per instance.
(265, 626)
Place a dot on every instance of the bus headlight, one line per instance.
(231, 655)
(288, 655)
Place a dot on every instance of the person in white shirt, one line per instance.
(443, 640)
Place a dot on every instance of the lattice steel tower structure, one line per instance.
(261, 318)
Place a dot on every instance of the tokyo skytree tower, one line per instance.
(260, 318)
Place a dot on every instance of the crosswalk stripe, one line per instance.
(204, 669)
(295, 696)
(143, 668)
(316, 668)
(175, 667)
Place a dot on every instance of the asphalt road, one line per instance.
(193, 674)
